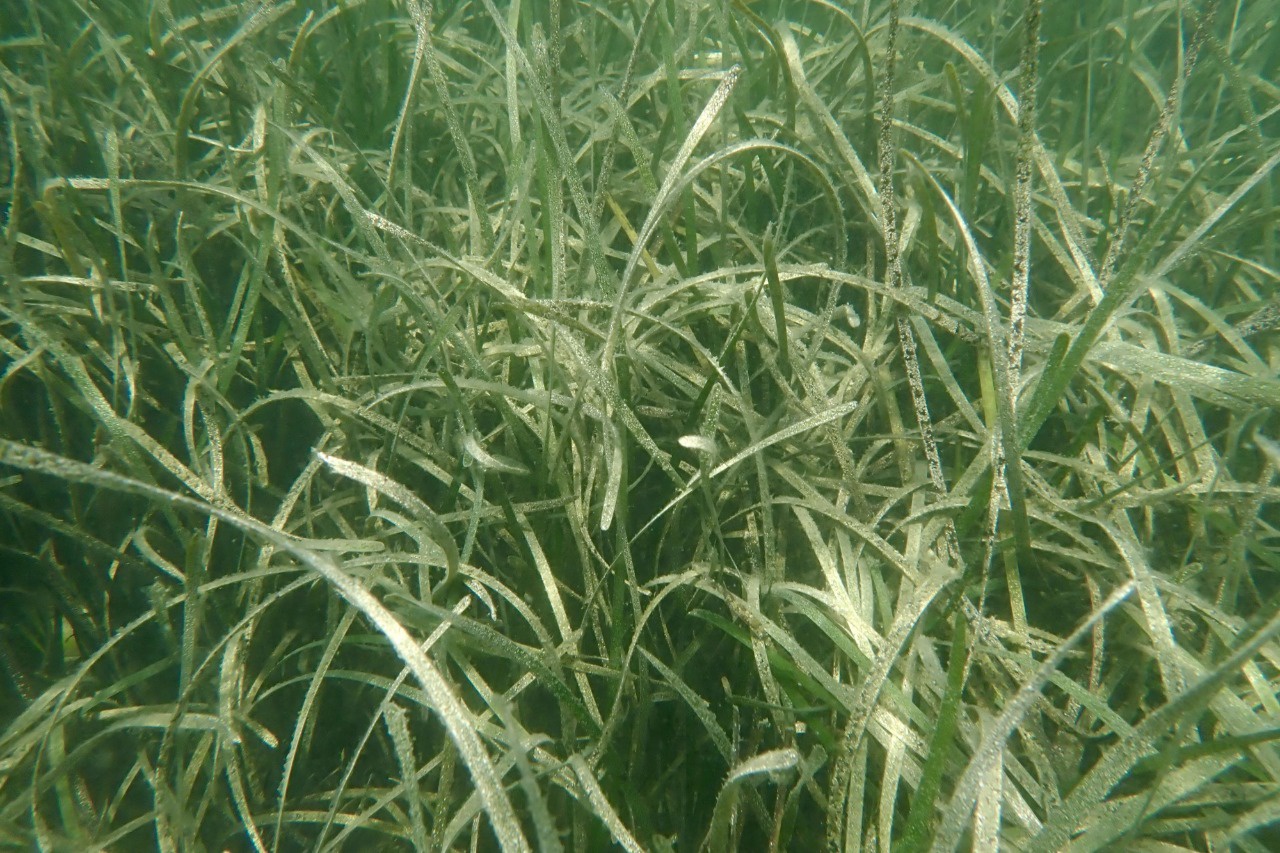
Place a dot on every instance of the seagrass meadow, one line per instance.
(661, 425)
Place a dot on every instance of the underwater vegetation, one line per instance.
(672, 425)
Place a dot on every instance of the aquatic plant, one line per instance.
(746, 425)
